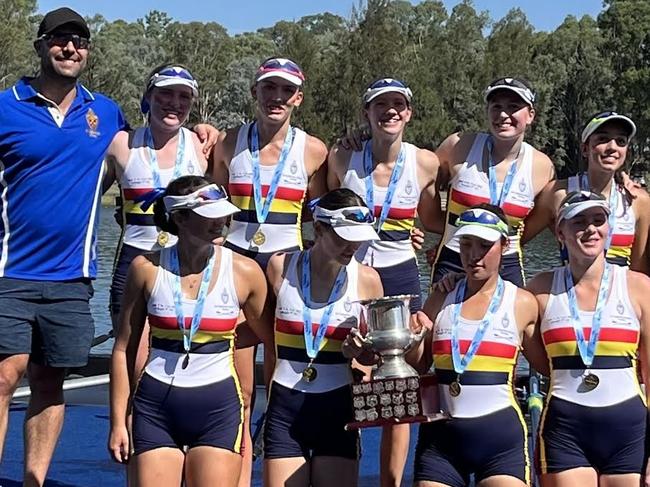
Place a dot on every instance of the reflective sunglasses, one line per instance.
(387, 82)
(62, 40)
(275, 64)
(212, 193)
(358, 215)
(580, 196)
(485, 218)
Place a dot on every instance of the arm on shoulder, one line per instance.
(337, 164)
(222, 153)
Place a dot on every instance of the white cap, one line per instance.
(174, 76)
(210, 201)
(511, 84)
(280, 68)
(602, 118)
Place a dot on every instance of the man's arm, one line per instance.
(316, 166)
(222, 153)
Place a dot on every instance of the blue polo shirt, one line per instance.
(50, 182)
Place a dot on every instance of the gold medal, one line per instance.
(163, 238)
(455, 388)
(309, 374)
(590, 381)
(259, 238)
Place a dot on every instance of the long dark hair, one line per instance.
(178, 187)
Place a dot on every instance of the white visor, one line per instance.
(567, 212)
(210, 201)
(482, 232)
(353, 223)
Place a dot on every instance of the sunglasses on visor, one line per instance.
(484, 218)
(283, 64)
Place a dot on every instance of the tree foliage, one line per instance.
(447, 57)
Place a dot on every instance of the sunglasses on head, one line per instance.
(283, 64)
(581, 196)
(62, 40)
(212, 194)
(175, 72)
(358, 216)
(484, 218)
(387, 82)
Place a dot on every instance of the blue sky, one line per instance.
(248, 15)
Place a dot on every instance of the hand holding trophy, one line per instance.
(396, 393)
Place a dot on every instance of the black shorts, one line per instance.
(50, 320)
(262, 258)
(175, 417)
(495, 444)
(449, 261)
(402, 278)
(123, 260)
(300, 424)
(610, 439)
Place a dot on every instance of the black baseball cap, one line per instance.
(55, 19)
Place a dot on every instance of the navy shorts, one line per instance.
(402, 278)
(262, 258)
(175, 417)
(610, 439)
(300, 424)
(495, 444)
(50, 320)
(449, 261)
(120, 269)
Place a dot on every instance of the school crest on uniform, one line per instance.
(93, 122)
(347, 305)
(409, 187)
(293, 168)
(505, 322)
(190, 168)
(620, 309)
(522, 185)
(224, 296)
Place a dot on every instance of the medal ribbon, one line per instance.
(178, 296)
(312, 342)
(498, 199)
(583, 181)
(461, 362)
(262, 210)
(153, 159)
(587, 349)
(368, 164)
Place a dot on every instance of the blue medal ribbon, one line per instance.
(583, 181)
(312, 342)
(498, 199)
(461, 362)
(368, 163)
(262, 209)
(587, 349)
(174, 264)
(153, 159)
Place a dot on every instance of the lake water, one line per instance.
(541, 254)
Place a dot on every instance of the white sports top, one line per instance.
(333, 369)
(616, 352)
(137, 180)
(211, 356)
(395, 245)
(487, 383)
(281, 229)
(471, 187)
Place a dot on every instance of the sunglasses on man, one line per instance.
(62, 40)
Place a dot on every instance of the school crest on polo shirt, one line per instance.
(93, 122)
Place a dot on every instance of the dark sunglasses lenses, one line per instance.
(358, 216)
(62, 40)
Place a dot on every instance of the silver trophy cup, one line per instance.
(389, 335)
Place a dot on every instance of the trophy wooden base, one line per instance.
(383, 402)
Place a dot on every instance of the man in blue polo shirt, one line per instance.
(53, 136)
